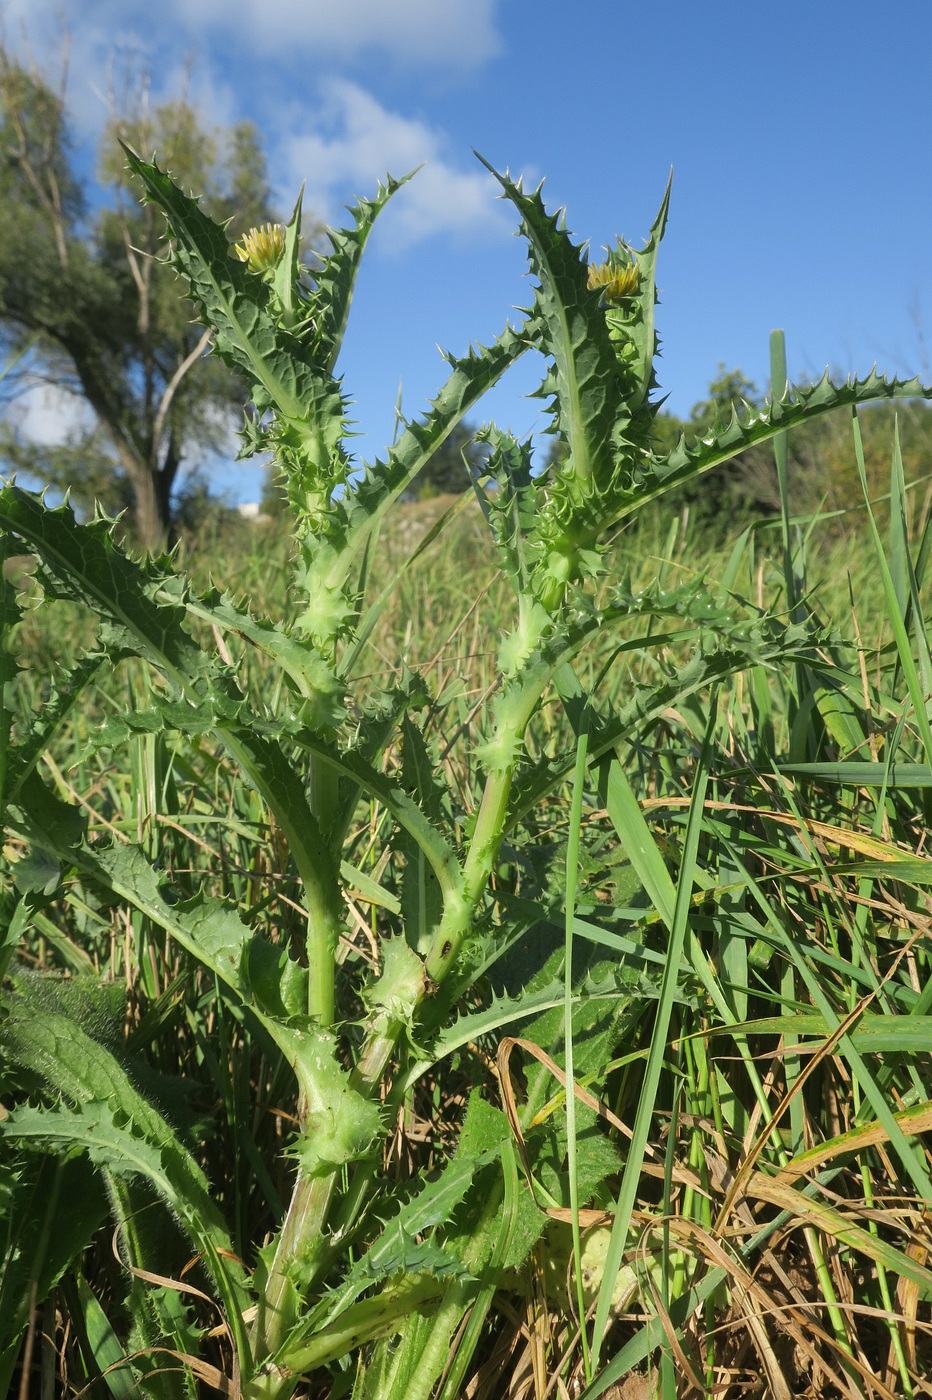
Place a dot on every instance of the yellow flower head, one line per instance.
(261, 248)
(612, 281)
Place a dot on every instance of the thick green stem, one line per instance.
(323, 934)
(322, 939)
(458, 913)
(299, 1256)
(366, 1322)
(301, 1246)
(515, 709)
(301, 1251)
(460, 904)
(267, 767)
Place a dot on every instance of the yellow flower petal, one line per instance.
(614, 282)
(261, 248)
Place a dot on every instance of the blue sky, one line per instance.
(799, 137)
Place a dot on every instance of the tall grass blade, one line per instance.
(630, 1181)
(894, 615)
(572, 867)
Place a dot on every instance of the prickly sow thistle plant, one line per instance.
(357, 1263)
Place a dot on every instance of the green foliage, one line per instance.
(50, 1208)
(97, 309)
(280, 788)
(743, 489)
(821, 468)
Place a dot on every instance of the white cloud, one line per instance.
(354, 141)
(340, 139)
(49, 415)
(456, 33)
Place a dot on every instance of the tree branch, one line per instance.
(172, 388)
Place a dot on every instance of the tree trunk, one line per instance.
(152, 512)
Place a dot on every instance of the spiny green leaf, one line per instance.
(400, 988)
(637, 326)
(262, 975)
(351, 764)
(574, 333)
(269, 337)
(506, 1010)
(340, 1123)
(85, 564)
(147, 603)
(65, 690)
(310, 674)
(119, 1129)
(287, 277)
(799, 404)
(400, 1248)
(267, 981)
(763, 641)
(429, 1207)
(510, 510)
(233, 299)
(110, 1143)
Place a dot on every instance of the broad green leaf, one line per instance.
(120, 1130)
(49, 1209)
(872, 1035)
(864, 774)
(108, 1354)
